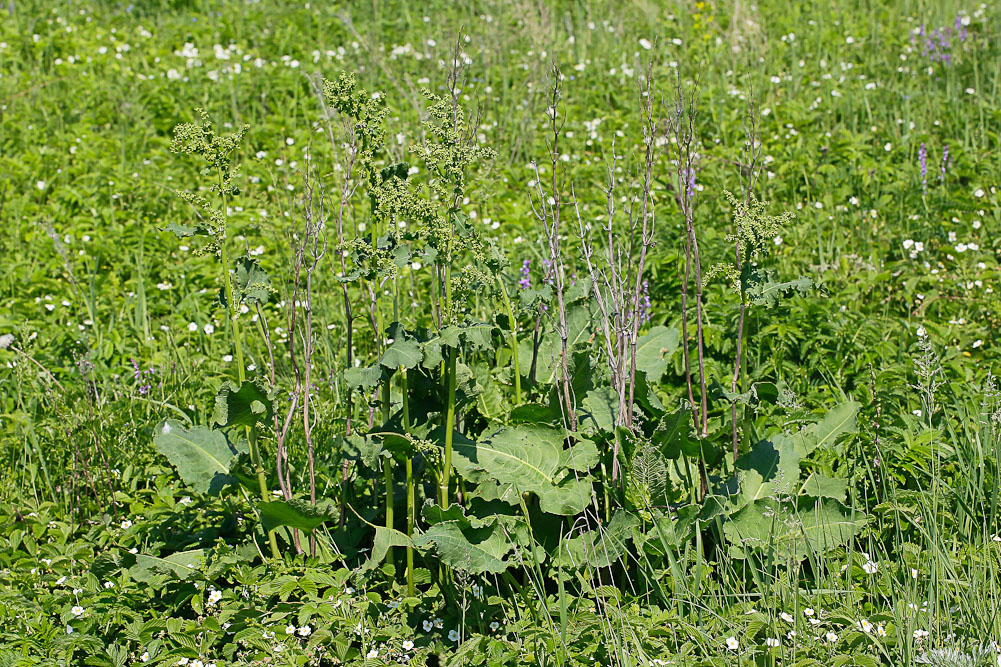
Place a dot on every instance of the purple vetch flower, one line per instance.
(526, 280)
(923, 159)
(946, 162)
(645, 303)
(141, 377)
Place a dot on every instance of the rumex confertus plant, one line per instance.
(248, 283)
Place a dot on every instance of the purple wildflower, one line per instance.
(141, 377)
(923, 159)
(645, 304)
(526, 280)
(946, 162)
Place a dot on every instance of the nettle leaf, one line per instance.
(243, 405)
(654, 350)
(762, 289)
(530, 459)
(294, 513)
(202, 456)
(253, 281)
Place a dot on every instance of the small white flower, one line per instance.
(880, 630)
(831, 637)
(290, 629)
(374, 653)
(408, 645)
(77, 610)
(208, 329)
(428, 626)
(214, 596)
(732, 643)
(197, 663)
(786, 616)
(40, 185)
(109, 584)
(6, 341)
(864, 625)
(772, 642)
(871, 567)
(645, 43)
(494, 625)
(186, 500)
(192, 327)
(979, 193)
(453, 635)
(305, 631)
(126, 524)
(144, 657)
(808, 612)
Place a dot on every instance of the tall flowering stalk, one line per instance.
(200, 139)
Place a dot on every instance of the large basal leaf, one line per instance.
(792, 530)
(202, 456)
(294, 513)
(654, 350)
(530, 459)
(470, 549)
(772, 466)
(242, 405)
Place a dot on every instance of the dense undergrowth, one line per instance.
(499, 333)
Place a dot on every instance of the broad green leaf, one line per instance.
(252, 281)
(201, 456)
(181, 565)
(402, 353)
(602, 546)
(385, 538)
(790, 530)
(653, 351)
(527, 458)
(294, 513)
(242, 405)
(366, 377)
(822, 486)
(474, 550)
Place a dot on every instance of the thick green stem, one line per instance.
(449, 427)
(387, 468)
(514, 341)
(411, 505)
(241, 373)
